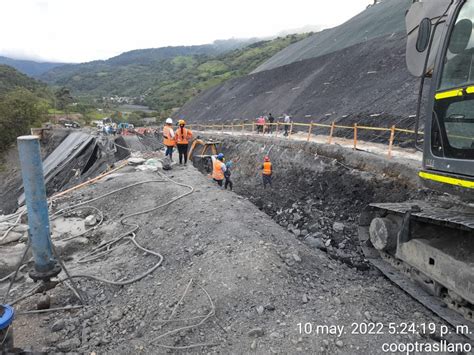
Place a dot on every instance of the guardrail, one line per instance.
(311, 127)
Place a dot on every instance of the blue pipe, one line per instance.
(37, 206)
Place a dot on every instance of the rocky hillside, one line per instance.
(383, 19)
(366, 82)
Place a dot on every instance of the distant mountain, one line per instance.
(385, 18)
(140, 57)
(166, 77)
(11, 79)
(29, 67)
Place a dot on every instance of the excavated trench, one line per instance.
(318, 191)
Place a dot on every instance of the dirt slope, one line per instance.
(382, 19)
(262, 281)
(346, 86)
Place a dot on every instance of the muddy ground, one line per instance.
(263, 280)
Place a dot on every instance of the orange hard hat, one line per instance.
(266, 158)
(181, 122)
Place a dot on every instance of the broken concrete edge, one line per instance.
(355, 159)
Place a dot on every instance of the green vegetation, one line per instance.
(24, 103)
(165, 78)
(20, 110)
(11, 79)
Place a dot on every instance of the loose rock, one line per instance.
(90, 220)
(116, 314)
(69, 345)
(256, 332)
(58, 325)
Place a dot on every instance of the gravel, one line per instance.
(230, 251)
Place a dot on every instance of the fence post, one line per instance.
(355, 136)
(253, 127)
(243, 127)
(390, 143)
(331, 133)
(291, 130)
(309, 130)
(278, 127)
(232, 128)
(222, 128)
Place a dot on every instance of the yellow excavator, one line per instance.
(427, 247)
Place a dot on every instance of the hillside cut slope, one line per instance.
(382, 19)
(365, 83)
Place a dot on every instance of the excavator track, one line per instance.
(426, 290)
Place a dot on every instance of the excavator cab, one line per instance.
(440, 45)
(431, 242)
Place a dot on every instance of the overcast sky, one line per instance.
(84, 30)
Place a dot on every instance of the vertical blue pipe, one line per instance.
(36, 203)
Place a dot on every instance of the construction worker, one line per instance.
(267, 172)
(260, 124)
(218, 168)
(271, 120)
(183, 135)
(168, 137)
(227, 173)
(287, 121)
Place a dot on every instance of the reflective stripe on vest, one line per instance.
(182, 138)
(217, 172)
(267, 168)
(167, 140)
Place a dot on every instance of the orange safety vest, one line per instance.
(183, 136)
(267, 168)
(217, 172)
(167, 140)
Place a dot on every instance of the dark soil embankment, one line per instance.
(382, 19)
(319, 191)
(367, 84)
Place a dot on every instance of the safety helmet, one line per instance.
(181, 122)
(228, 164)
(169, 120)
(266, 158)
(220, 156)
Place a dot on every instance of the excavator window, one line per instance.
(452, 132)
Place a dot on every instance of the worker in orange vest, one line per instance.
(169, 137)
(183, 135)
(267, 172)
(218, 168)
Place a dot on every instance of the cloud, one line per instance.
(84, 30)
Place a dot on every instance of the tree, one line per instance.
(19, 111)
(63, 98)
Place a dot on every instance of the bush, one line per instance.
(19, 111)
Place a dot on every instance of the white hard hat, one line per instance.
(169, 120)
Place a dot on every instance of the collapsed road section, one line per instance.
(168, 261)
